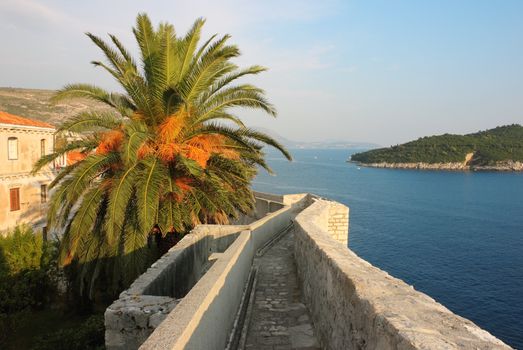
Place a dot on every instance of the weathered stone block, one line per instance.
(156, 319)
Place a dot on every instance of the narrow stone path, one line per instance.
(279, 319)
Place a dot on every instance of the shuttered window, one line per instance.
(12, 148)
(42, 147)
(14, 194)
(43, 193)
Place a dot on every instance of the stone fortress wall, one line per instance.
(193, 296)
(355, 305)
(186, 287)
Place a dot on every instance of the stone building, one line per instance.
(23, 196)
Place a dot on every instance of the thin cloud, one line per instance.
(15, 10)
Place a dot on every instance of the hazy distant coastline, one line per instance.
(451, 166)
(327, 144)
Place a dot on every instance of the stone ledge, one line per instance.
(130, 320)
(356, 305)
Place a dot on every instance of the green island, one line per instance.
(500, 148)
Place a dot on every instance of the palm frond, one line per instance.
(118, 63)
(262, 137)
(82, 222)
(226, 80)
(82, 91)
(217, 116)
(148, 194)
(123, 190)
(187, 46)
(87, 121)
(136, 134)
(241, 98)
(89, 170)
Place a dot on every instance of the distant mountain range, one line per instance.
(328, 144)
(34, 104)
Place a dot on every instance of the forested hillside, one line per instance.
(503, 143)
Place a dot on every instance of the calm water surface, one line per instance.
(457, 236)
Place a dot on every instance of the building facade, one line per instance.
(23, 195)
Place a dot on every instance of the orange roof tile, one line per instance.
(6, 118)
(75, 156)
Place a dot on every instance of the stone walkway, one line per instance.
(279, 319)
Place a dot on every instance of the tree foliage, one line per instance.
(503, 143)
(28, 277)
(172, 151)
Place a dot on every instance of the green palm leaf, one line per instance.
(87, 121)
(148, 194)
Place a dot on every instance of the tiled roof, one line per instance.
(75, 156)
(6, 118)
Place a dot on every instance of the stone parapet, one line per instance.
(190, 297)
(338, 222)
(177, 278)
(205, 316)
(131, 319)
(355, 305)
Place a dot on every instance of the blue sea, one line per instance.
(456, 236)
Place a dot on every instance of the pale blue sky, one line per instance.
(379, 71)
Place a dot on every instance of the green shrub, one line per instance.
(21, 250)
(30, 289)
(89, 335)
(27, 271)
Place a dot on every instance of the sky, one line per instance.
(380, 71)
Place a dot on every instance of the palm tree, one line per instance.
(169, 151)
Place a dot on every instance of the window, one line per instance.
(42, 147)
(12, 148)
(43, 193)
(14, 195)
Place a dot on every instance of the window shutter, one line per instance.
(15, 198)
(43, 193)
(42, 147)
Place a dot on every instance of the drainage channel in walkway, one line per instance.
(277, 318)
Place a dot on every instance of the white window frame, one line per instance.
(12, 148)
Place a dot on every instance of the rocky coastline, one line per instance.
(452, 166)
